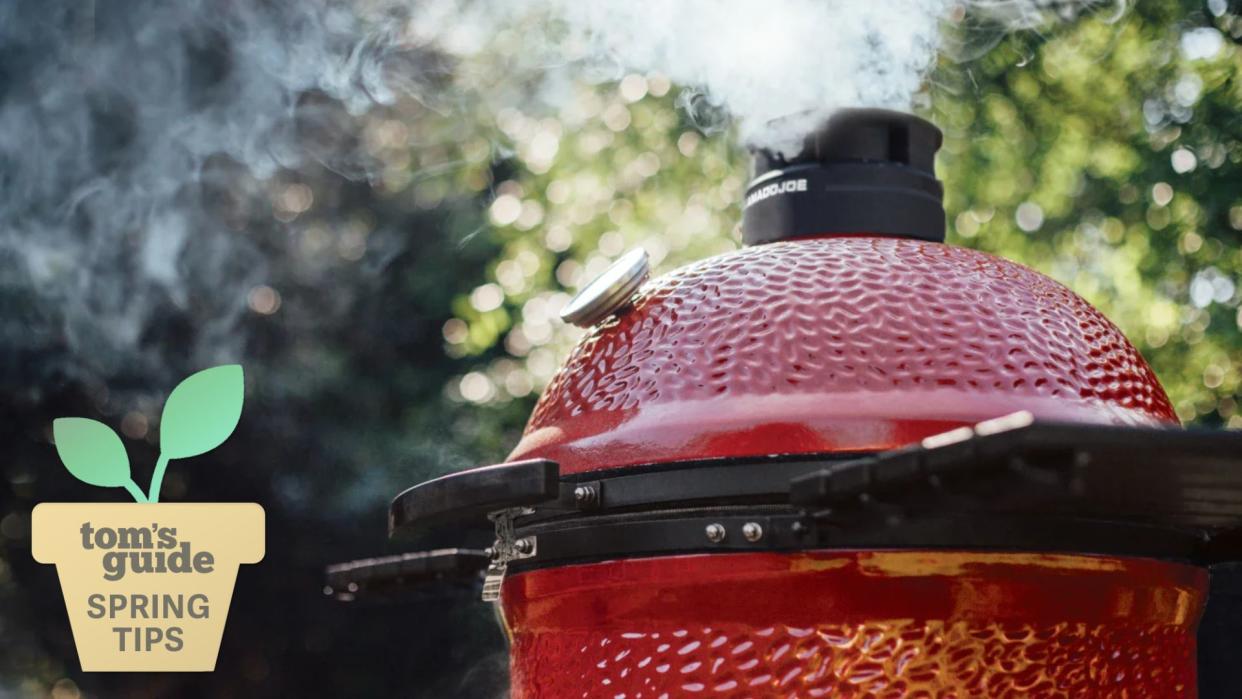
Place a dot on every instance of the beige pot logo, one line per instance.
(147, 586)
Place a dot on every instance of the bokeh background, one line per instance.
(388, 266)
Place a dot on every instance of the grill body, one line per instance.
(836, 344)
(856, 624)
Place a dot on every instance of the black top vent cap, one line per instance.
(863, 171)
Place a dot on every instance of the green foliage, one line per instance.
(91, 451)
(202, 411)
(1108, 161)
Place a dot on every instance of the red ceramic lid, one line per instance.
(834, 344)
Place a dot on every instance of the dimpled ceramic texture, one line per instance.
(834, 344)
(879, 625)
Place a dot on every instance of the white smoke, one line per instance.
(138, 146)
(777, 67)
(139, 140)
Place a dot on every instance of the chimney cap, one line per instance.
(864, 136)
(862, 171)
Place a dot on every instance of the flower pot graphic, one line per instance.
(147, 586)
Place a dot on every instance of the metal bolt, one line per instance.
(752, 531)
(524, 546)
(715, 533)
(586, 496)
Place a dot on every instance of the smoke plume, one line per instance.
(777, 68)
(140, 145)
(141, 142)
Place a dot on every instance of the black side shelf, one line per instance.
(472, 495)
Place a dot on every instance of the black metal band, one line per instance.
(663, 534)
(1027, 487)
(843, 198)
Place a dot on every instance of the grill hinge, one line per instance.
(508, 547)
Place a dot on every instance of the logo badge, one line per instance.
(147, 585)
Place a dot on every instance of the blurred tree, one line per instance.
(1108, 157)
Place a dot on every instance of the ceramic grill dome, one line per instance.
(834, 344)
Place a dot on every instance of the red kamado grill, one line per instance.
(847, 460)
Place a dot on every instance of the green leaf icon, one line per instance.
(91, 451)
(201, 412)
